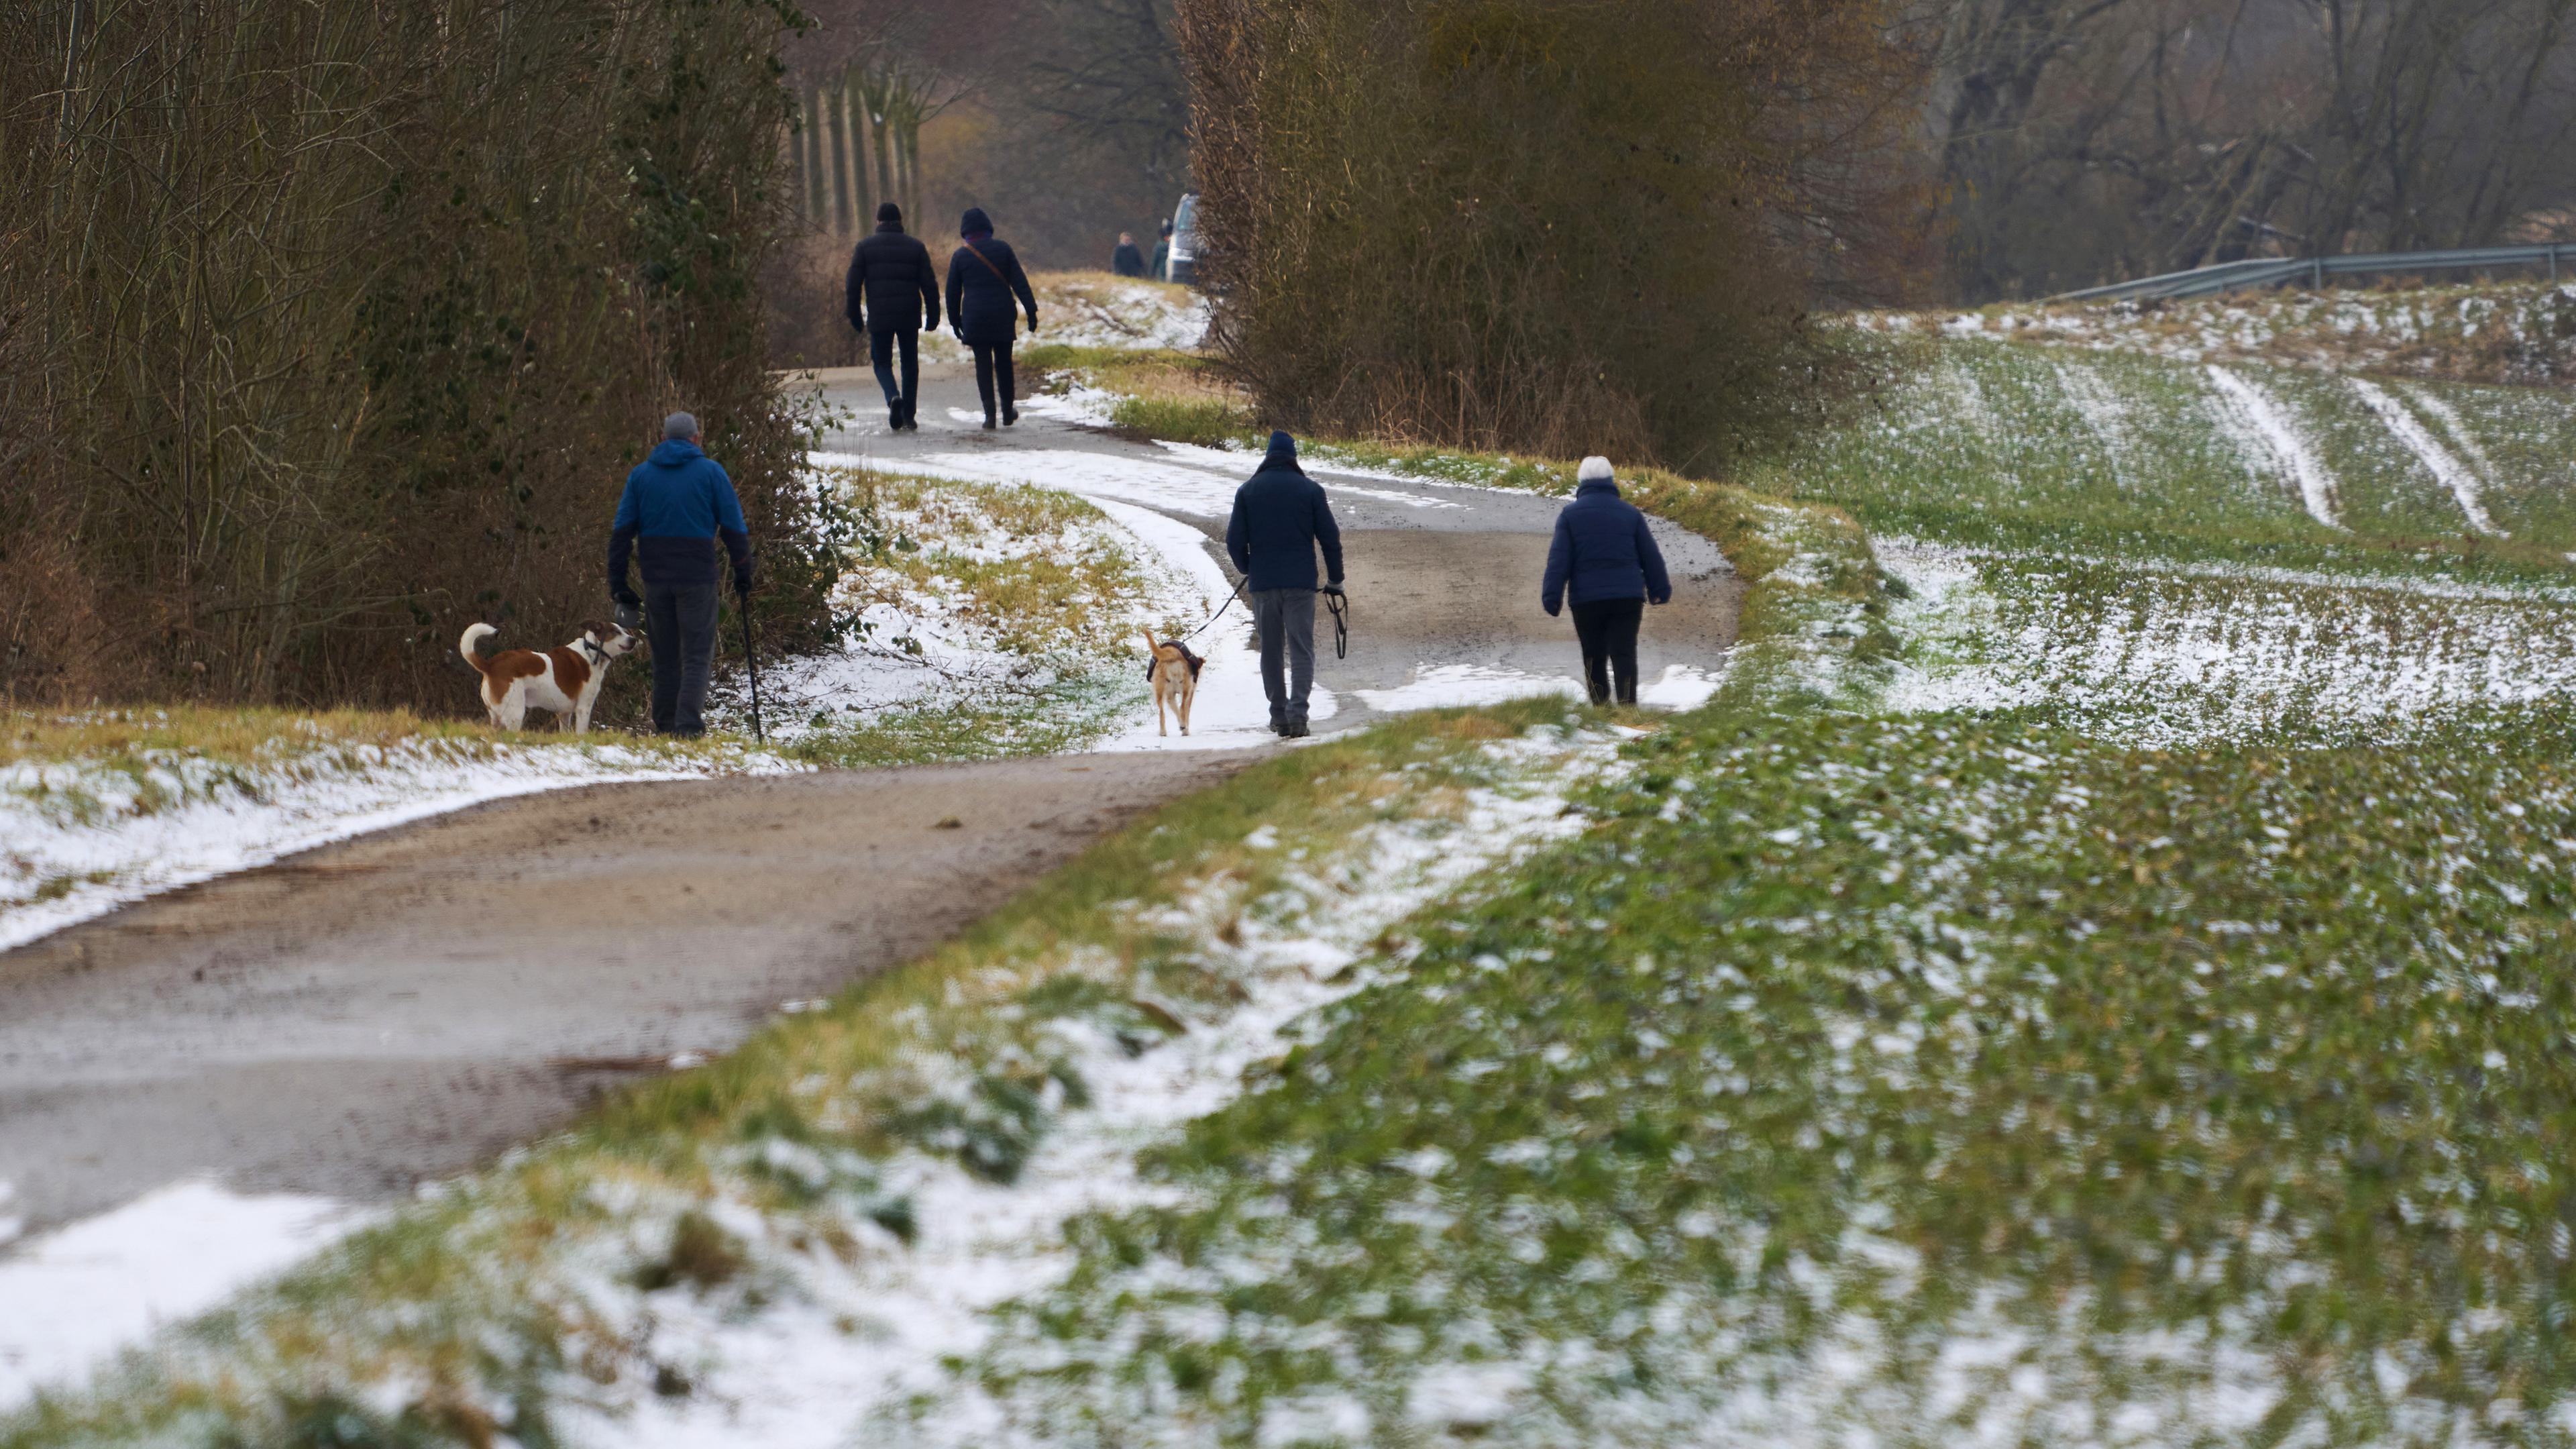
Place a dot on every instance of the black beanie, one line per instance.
(888, 211)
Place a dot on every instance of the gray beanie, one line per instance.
(679, 427)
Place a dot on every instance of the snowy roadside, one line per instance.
(86, 836)
(779, 1282)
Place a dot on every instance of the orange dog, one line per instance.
(1174, 671)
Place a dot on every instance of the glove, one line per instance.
(742, 582)
(1033, 321)
(1335, 588)
(626, 598)
(628, 609)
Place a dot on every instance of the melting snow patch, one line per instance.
(73, 1296)
(2265, 431)
(2446, 469)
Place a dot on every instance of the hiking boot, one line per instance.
(894, 416)
(1010, 416)
(989, 424)
(1296, 730)
(911, 420)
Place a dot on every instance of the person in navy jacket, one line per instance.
(678, 503)
(1604, 561)
(1281, 519)
(984, 278)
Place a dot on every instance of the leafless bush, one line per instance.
(344, 320)
(1562, 225)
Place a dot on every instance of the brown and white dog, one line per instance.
(562, 681)
(1174, 671)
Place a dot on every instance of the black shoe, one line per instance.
(1010, 416)
(904, 416)
(1296, 730)
(989, 424)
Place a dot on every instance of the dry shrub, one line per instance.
(1550, 225)
(345, 320)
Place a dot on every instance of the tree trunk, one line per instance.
(840, 162)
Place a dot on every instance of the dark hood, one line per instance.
(892, 226)
(976, 223)
(675, 452)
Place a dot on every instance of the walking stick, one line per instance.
(751, 661)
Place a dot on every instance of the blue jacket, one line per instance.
(1603, 550)
(678, 502)
(984, 278)
(1280, 519)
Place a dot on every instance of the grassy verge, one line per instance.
(543, 1291)
(1915, 1082)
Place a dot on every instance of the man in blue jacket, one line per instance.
(1280, 519)
(678, 503)
(1604, 557)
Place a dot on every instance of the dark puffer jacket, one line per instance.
(891, 283)
(1603, 550)
(1280, 519)
(983, 277)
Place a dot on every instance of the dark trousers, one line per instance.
(881, 347)
(1608, 630)
(1285, 619)
(993, 365)
(680, 622)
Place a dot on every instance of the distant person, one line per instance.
(678, 503)
(1162, 269)
(1605, 560)
(891, 286)
(1127, 261)
(983, 278)
(1280, 518)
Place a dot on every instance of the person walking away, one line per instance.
(1604, 561)
(1162, 269)
(1280, 519)
(1127, 261)
(891, 286)
(983, 278)
(678, 503)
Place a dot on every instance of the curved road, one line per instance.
(399, 1008)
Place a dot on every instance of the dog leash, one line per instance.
(1219, 614)
(1339, 604)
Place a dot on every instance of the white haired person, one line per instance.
(1605, 563)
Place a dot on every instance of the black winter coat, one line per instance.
(1280, 519)
(891, 283)
(1127, 261)
(1603, 550)
(983, 277)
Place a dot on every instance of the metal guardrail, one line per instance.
(2279, 271)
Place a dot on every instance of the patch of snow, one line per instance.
(1449, 686)
(2255, 417)
(71, 1297)
(2446, 469)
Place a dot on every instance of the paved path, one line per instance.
(402, 1007)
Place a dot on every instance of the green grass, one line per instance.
(2019, 448)
(1209, 422)
(1917, 1081)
